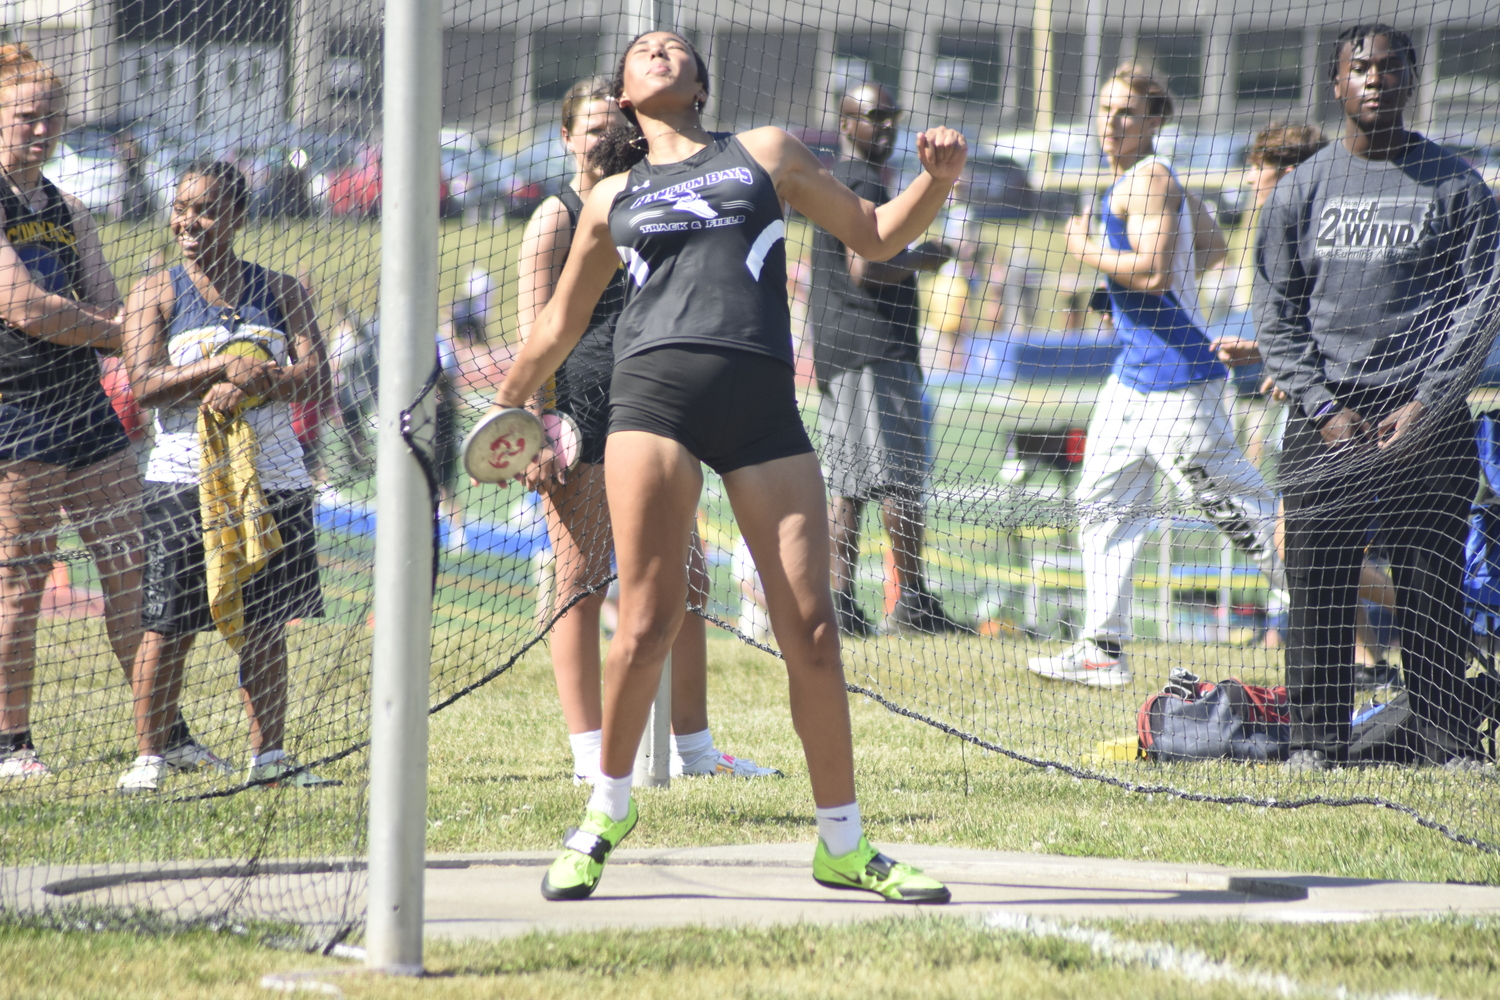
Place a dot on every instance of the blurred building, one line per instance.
(317, 62)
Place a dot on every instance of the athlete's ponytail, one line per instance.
(619, 149)
(19, 67)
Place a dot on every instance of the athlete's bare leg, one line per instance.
(29, 515)
(579, 526)
(654, 485)
(781, 507)
(104, 502)
(902, 512)
(157, 685)
(263, 685)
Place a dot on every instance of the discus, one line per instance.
(563, 437)
(254, 349)
(502, 444)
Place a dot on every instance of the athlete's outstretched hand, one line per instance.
(942, 152)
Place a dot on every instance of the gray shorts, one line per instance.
(874, 432)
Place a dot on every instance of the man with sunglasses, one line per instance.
(1374, 296)
(865, 355)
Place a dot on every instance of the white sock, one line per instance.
(839, 828)
(586, 749)
(268, 757)
(692, 746)
(611, 796)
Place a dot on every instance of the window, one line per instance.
(967, 68)
(1177, 57)
(562, 56)
(866, 57)
(1268, 65)
(1471, 52)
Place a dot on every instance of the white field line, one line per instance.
(1193, 966)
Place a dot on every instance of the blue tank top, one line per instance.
(200, 330)
(1162, 339)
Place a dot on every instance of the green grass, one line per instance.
(926, 957)
(500, 769)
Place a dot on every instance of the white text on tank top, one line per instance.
(176, 453)
(703, 242)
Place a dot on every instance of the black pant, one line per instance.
(1419, 504)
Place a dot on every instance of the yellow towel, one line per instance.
(239, 532)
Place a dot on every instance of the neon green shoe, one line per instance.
(868, 869)
(576, 872)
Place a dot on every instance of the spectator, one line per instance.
(471, 314)
(1374, 291)
(62, 448)
(1163, 409)
(186, 330)
(865, 358)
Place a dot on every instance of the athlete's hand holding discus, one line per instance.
(704, 374)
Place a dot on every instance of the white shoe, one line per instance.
(144, 776)
(23, 764)
(716, 762)
(192, 755)
(285, 772)
(1083, 663)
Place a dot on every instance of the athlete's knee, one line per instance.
(647, 633)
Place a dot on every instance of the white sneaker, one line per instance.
(23, 764)
(285, 772)
(144, 776)
(192, 755)
(716, 762)
(1083, 663)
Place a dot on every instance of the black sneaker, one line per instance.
(920, 612)
(851, 618)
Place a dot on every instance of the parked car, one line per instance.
(355, 189)
(534, 174)
(476, 181)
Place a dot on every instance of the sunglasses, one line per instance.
(879, 116)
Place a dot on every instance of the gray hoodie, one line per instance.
(1375, 280)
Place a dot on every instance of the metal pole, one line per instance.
(403, 546)
(653, 758)
(1093, 54)
(1043, 66)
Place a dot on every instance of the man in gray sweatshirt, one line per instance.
(1374, 306)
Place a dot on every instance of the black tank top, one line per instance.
(596, 349)
(32, 371)
(704, 243)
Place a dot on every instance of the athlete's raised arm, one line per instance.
(876, 234)
(559, 325)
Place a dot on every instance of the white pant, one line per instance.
(1189, 435)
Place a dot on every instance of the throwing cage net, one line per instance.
(1027, 449)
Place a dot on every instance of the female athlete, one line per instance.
(577, 517)
(703, 373)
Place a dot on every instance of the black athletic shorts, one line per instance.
(74, 434)
(582, 392)
(729, 408)
(176, 578)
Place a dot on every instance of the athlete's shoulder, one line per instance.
(608, 190)
(769, 139)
